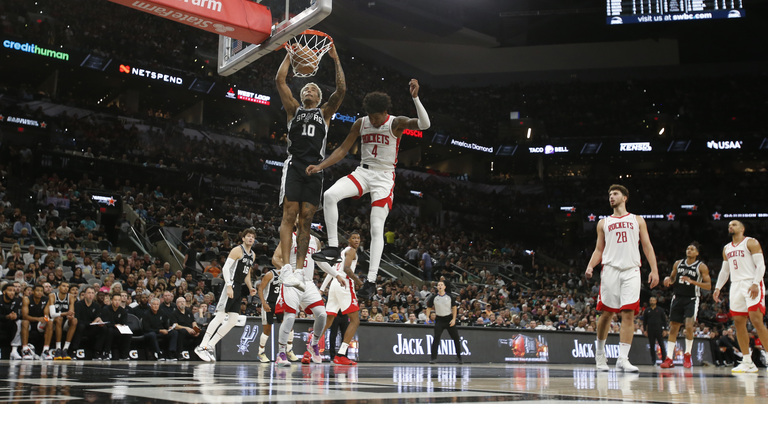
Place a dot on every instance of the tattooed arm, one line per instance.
(334, 102)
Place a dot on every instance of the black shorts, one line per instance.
(269, 318)
(683, 307)
(233, 304)
(297, 186)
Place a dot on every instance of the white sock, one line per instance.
(281, 348)
(15, 349)
(46, 348)
(671, 350)
(290, 341)
(343, 348)
(688, 345)
(263, 343)
(66, 345)
(624, 350)
(58, 345)
(747, 357)
(601, 346)
(378, 217)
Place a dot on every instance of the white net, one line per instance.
(306, 50)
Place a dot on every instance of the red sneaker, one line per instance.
(343, 360)
(667, 364)
(307, 358)
(687, 361)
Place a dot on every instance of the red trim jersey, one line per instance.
(740, 261)
(379, 145)
(622, 239)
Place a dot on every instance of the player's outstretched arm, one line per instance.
(340, 152)
(334, 102)
(669, 280)
(277, 257)
(422, 122)
(265, 280)
(289, 102)
(348, 258)
(597, 255)
(650, 255)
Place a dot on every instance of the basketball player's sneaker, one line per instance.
(343, 360)
(57, 354)
(601, 362)
(292, 278)
(282, 360)
(27, 354)
(211, 353)
(745, 367)
(306, 358)
(667, 364)
(367, 291)
(46, 355)
(626, 366)
(15, 355)
(315, 351)
(263, 358)
(329, 254)
(291, 356)
(65, 354)
(202, 353)
(687, 363)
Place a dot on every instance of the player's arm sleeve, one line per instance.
(324, 266)
(52, 312)
(421, 113)
(326, 281)
(759, 268)
(227, 271)
(722, 277)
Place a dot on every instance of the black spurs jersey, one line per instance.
(62, 306)
(272, 290)
(13, 306)
(307, 133)
(243, 267)
(37, 309)
(686, 289)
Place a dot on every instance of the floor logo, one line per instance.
(248, 336)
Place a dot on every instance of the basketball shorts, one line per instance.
(683, 307)
(230, 305)
(269, 318)
(619, 289)
(741, 303)
(379, 183)
(297, 186)
(341, 298)
(292, 300)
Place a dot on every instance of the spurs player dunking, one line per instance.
(689, 276)
(743, 261)
(380, 135)
(236, 272)
(618, 236)
(341, 296)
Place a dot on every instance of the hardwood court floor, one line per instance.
(371, 383)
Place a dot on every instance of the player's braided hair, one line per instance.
(376, 102)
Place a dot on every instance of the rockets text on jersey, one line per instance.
(378, 145)
(622, 239)
(740, 261)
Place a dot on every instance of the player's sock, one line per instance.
(262, 343)
(688, 346)
(624, 350)
(601, 346)
(343, 349)
(319, 325)
(286, 330)
(378, 217)
(15, 349)
(58, 345)
(281, 348)
(224, 328)
(214, 325)
(66, 345)
(46, 348)
(289, 342)
(671, 350)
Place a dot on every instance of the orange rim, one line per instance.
(311, 32)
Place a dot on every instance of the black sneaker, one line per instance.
(172, 356)
(367, 291)
(432, 361)
(329, 254)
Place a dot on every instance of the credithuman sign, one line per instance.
(34, 49)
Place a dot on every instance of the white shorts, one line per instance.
(292, 300)
(741, 303)
(619, 289)
(341, 298)
(379, 183)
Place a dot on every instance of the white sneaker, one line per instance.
(602, 362)
(291, 356)
(282, 360)
(15, 355)
(202, 353)
(626, 366)
(745, 367)
(46, 355)
(263, 358)
(27, 354)
(211, 353)
(292, 278)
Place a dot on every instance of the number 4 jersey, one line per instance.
(379, 145)
(622, 239)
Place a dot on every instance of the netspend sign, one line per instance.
(147, 73)
(471, 146)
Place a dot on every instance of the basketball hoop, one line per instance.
(306, 49)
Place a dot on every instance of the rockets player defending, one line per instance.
(300, 192)
(236, 272)
(293, 300)
(743, 261)
(341, 296)
(380, 135)
(689, 277)
(618, 236)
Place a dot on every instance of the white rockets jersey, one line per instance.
(622, 240)
(379, 145)
(740, 261)
(340, 265)
(309, 263)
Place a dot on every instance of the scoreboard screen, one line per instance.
(650, 11)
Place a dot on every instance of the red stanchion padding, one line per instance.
(238, 19)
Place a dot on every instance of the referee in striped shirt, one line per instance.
(445, 312)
